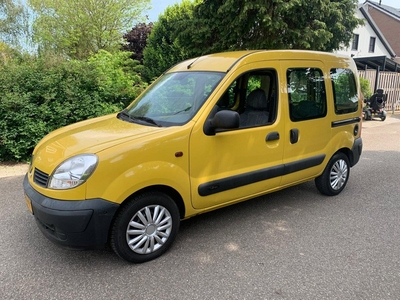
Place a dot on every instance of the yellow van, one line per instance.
(210, 132)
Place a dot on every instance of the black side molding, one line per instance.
(345, 122)
(228, 183)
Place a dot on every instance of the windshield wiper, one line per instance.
(124, 115)
(146, 119)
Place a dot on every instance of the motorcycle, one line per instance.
(375, 106)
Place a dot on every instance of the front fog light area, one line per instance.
(73, 172)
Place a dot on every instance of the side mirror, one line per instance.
(224, 119)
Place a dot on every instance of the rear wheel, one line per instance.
(145, 227)
(369, 115)
(335, 176)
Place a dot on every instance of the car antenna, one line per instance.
(190, 65)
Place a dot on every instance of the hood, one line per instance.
(91, 136)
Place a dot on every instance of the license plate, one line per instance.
(28, 203)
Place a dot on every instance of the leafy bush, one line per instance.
(365, 88)
(38, 95)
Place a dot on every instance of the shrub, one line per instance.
(38, 95)
(365, 88)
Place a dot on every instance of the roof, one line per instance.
(384, 63)
(386, 8)
(226, 61)
(219, 62)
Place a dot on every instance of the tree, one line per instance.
(77, 28)
(220, 25)
(196, 28)
(136, 40)
(13, 21)
(163, 46)
(5, 52)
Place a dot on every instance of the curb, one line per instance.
(11, 170)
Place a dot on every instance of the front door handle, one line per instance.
(272, 136)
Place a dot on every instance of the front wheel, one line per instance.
(334, 178)
(145, 227)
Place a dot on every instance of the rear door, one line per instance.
(308, 129)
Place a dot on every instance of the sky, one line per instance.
(392, 3)
(158, 6)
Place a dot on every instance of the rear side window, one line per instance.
(306, 91)
(344, 91)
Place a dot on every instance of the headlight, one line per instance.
(73, 172)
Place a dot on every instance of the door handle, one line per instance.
(272, 136)
(294, 135)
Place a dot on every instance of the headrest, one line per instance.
(257, 100)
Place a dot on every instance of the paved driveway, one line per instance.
(293, 244)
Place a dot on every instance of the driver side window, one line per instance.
(253, 96)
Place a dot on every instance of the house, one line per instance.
(377, 41)
(375, 48)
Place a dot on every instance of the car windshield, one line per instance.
(173, 100)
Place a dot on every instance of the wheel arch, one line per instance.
(348, 153)
(171, 192)
(175, 196)
(353, 154)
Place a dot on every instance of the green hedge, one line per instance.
(38, 95)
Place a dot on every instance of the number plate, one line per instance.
(28, 203)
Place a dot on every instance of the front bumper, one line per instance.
(77, 224)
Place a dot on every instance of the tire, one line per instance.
(383, 118)
(145, 227)
(335, 176)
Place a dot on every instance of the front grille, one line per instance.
(41, 178)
